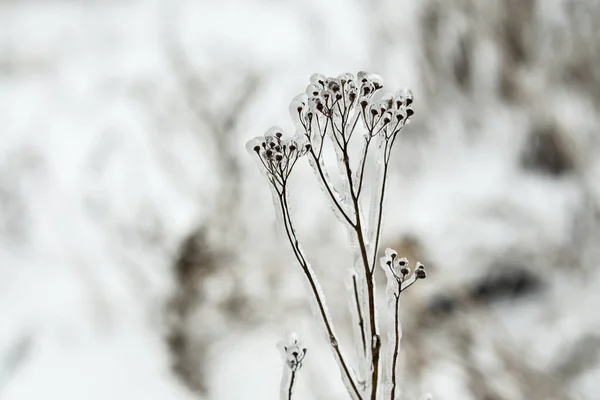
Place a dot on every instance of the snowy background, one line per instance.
(138, 252)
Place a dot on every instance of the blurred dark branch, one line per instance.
(217, 101)
(217, 123)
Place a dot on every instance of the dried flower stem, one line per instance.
(347, 376)
(293, 352)
(397, 335)
(332, 107)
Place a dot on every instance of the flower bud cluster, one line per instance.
(334, 96)
(278, 154)
(345, 96)
(293, 352)
(399, 269)
(389, 114)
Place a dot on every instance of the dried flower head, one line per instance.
(277, 155)
(293, 351)
(398, 268)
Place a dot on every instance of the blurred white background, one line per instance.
(138, 252)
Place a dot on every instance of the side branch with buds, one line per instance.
(335, 109)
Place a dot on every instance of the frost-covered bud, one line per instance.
(364, 102)
(403, 98)
(401, 116)
(333, 85)
(367, 88)
(352, 95)
(274, 131)
(390, 253)
(313, 90)
(387, 117)
(314, 103)
(420, 271)
(293, 351)
(374, 110)
(318, 79)
(368, 77)
(388, 101)
(345, 78)
(298, 104)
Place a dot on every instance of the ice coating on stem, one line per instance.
(293, 352)
(357, 312)
(399, 278)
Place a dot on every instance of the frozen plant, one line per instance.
(293, 352)
(340, 109)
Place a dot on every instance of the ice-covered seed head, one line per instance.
(420, 271)
(293, 351)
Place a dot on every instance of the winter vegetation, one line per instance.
(139, 253)
(330, 110)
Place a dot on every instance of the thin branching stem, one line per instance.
(375, 344)
(380, 210)
(386, 162)
(329, 189)
(290, 233)
(361, 322)
(291, 388)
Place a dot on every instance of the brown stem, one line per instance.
(375, 339)
(313, 285)
(396, 342)
(291, 388)
(361, 322)
(380, 212)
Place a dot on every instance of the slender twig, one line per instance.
(380, 209)
(373, 330)
(290, 233)
(329, 189)
(396, 341)
(361, 322)
(291, 388)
